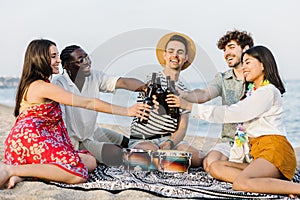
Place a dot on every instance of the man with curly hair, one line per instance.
(229, 85)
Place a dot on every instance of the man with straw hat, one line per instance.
(175, 52)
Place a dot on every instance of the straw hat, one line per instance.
(161, 45)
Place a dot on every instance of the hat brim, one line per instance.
(160, 49)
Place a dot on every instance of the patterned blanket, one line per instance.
(194, 184)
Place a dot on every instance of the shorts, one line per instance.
(222, 147)
(277, 150)
(158, 142)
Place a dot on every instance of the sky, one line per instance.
(124, 33)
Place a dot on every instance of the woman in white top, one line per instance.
(274, 161)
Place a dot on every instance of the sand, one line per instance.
(39, 190)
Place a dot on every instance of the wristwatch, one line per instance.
(171, 143)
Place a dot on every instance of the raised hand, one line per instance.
(177, 101)
(137, 110)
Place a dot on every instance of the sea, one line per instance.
(196, 127)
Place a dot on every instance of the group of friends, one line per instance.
(56, 136)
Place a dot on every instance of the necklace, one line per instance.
(240, 134)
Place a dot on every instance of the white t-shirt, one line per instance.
(81, 122)
(261, 112)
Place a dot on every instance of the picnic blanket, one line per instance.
(194, 184)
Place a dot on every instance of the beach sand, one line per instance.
(39, 190)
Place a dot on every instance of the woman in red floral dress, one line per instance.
(38, 144)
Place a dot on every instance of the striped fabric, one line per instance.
(157, 124)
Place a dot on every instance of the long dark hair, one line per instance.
(36, 66)
(265, 56)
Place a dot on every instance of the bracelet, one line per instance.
(171, 143)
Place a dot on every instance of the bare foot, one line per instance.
(293, 196)
(4, 174)
(12, 182)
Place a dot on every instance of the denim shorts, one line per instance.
(158, 141)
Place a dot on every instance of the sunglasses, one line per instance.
(85, 59)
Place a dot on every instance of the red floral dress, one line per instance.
(39, 136)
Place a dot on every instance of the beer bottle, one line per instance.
(172, 111)
(160, 97)
(148, 99)
(152, 86)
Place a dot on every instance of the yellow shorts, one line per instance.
(277, 150)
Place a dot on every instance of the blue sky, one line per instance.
(92, 23)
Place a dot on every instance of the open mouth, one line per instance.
(174, 61)
(229, 58)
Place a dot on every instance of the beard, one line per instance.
(234, 65)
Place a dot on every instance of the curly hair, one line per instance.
(242, 38)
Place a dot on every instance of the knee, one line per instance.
(112, 155)
(207, 162)
(89, 161)
(212, 157)
(214, 169)
(93, 164)
(242, 184)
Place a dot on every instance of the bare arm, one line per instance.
(200, 95)
(39, 91)
(177, 101)
(180, 133)
(131, 84)
(250, 108)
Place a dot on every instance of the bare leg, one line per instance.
(43, 171)
(263, 177)
(146, 146)
(226, 170)
(4, 175)
(89, 161)
(197, 156)
(211, 157)
(13, 181)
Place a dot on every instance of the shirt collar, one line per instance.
(229, 74)
(66, 75)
